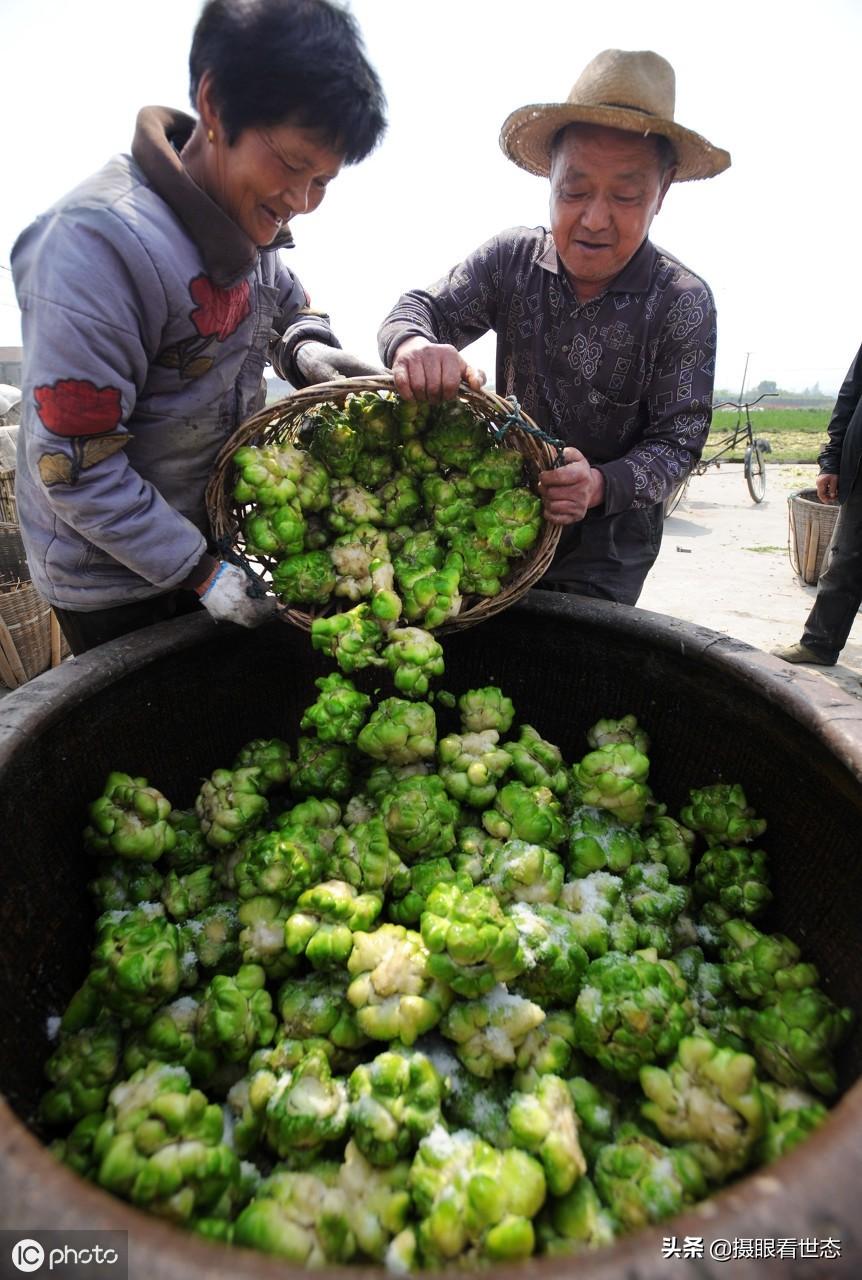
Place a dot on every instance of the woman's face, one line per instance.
(269, 175)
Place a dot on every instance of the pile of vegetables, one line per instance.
(415, 990)
(394, 511)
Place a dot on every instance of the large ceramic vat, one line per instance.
(176, 701)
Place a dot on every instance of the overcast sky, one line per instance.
(775, 82)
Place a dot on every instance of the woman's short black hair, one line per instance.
(297, 61)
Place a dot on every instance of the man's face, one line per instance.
(606, 188)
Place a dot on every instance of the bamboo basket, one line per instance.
(8, 505)
(30, 636)
(27, 639)
(811, 524)
(282, 422)
(13, 559)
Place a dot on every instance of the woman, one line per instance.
(152, 296)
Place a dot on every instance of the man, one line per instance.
(839, 587)
(606, 341)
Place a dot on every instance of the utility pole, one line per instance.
(744, 376)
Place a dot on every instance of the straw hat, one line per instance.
(621, 90)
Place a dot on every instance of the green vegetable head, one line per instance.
(130, 819)
(511, 521)
(81, 1071)
(607, 732)
(306, 578)
(419, 817)
(555, 959)
(640, 1181)
(735, 878)
(532, 814)
(399, 732)
(136, 962)
(336, 443)
(598, 841)
(631, 1010)
(613, 777)
(489, 1031)
(271, 757)
(709, 1099)
(542, 1120)
(722, 814)
(473, 945)
(538, 763)
(471, 1197)
(306, 1111)
(795, 1036)
(395, 1101)
(394, 992)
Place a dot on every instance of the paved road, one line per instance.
(724, 563)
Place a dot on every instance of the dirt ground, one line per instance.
(724, 563)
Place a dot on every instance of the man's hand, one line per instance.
(432, 371)
(827, 487)
(569, 491)
(224, 595)
(318, 362)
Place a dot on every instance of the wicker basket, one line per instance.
(13, 560)
(280, 423)
(27, 640)
(8, 505)
(811, 523)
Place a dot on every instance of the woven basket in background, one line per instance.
(281, 423)
(13, 559)
(8, 505)
(25, 633)
(30, 636)
(811, 523)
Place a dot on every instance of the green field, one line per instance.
(795, 435)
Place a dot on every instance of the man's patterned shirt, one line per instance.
(626, 377)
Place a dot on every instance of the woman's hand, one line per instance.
(827, 487)
(318, 362)
(569, 491)
(224, 595)
(432, 371)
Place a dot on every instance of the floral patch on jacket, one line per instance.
(216, 315)
(77, 407)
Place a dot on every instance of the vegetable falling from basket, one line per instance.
(368, 514)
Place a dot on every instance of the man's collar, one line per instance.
(634, 278)
(227, 251)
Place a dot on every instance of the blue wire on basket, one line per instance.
(516, 419)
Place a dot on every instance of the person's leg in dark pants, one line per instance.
(87, 630)
(839, 588)
(607, 557)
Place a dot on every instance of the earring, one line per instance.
(210, 136)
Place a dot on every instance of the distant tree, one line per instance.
(763, 388)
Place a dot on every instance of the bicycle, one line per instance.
(754, 467)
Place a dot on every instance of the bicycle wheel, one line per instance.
(755, 472)
(673, 500)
